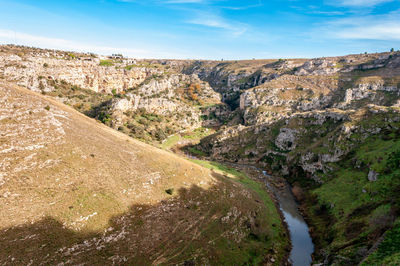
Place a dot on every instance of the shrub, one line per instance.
(143, 121)
(169, 191)
(47, 107)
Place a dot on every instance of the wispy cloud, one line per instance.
(9, 36)
(182, 1)
(372, 27)
(379, 30)
(216, 21)
(358, 3)
(166, 1)
(243, 7)
(326, 13)
(58, 43)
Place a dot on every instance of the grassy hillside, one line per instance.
(74, 191)
(360, 210)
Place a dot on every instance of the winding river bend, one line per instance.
(302, 245)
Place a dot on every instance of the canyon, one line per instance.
(329, 126)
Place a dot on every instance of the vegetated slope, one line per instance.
(75, 191)
(332, 127)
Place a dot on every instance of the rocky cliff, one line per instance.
(331, 126)
(148, 99)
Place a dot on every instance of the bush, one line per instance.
(394, 160)
(169, 191)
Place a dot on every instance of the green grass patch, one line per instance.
(170, 142)
(197, 152)
(106, 63)
(388, 252)
(220, 168)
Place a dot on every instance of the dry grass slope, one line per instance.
(75, 191)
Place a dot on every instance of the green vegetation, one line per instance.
(196, 152)
(221, 169)
(242, 178)
(85, 101)
(271, 217)
(145, 64)
(106, 63)
(194, 137)
(361, 210)
(388, 252)
(169, 191)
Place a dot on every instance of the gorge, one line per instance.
(329, 127)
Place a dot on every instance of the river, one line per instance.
(302, 245)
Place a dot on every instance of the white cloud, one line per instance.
(358, 3)
(215, 21)
(57, 43)
(381, 30)
(165, 1)
(9, 36)
(182, 1)
(373, 27)
(243, 7)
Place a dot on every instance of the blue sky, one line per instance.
(204, 29)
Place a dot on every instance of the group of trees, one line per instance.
(191, 93)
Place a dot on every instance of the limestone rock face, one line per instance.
(164, 95)
(368, 91)
(32, 72)
(286, 140)
(317, 67)
(372, 175)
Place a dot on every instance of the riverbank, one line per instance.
(291, 212)
(279, 253)
(278, 197)
(302, 247)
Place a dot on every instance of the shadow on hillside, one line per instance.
(177, 230)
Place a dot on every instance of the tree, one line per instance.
(392, 50)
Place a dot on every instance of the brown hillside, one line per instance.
(73, 190)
